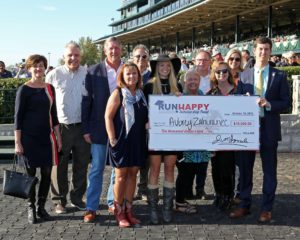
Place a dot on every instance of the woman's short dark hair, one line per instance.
(120, 78)
(34, 59)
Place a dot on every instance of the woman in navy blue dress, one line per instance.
(125, 118)
(37, 134)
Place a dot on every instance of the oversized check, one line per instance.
(203, 123)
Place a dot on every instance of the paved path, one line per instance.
(208, 224)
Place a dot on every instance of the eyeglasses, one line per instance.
(236, 59)
(221, 71)
(139, 56)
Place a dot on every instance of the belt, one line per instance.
(71, 124)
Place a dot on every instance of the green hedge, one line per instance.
(290, 71)
(8, 87)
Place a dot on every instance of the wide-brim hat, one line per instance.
(176, 63)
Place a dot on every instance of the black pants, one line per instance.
(44, 185)
(223, 169)
(185, 178)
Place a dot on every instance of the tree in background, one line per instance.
(90, 53)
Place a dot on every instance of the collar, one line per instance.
(265, 68)
(109, 67)
(70, 71)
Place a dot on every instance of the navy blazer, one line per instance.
(94, 103)
(277, 93)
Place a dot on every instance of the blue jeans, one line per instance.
(110, 191)
(95, 176)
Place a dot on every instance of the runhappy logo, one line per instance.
(162, 106)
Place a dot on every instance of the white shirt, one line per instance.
(204, 83)
(69, 88)
(112, 76)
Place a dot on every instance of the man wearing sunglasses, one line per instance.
(272, 87)
(141, 59)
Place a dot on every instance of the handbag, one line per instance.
(18, 184)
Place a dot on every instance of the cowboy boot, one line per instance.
(129, 214)
(120, 215)
(152, 202)
(168, 196)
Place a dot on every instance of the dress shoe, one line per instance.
(265, 217)
(89, 216)
(60, 209)
(79, 205)
(201, 194)
(225, 203)
(42, 213)
(239, 212)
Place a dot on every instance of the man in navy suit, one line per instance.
(271, 84)
(100, 82)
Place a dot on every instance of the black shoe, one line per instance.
(31, 215)
(42, 213)
(217, 201)
(79, 205)
(225, 203)
(201, 194)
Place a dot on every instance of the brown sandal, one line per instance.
(185, 208)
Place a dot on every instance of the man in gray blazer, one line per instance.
(272, 86)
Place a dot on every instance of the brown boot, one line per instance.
(120, 216)
(129, 214)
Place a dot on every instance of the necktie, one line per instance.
(259, 87)
(259, 90)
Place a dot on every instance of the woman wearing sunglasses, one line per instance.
(223, 164)
(234, 60)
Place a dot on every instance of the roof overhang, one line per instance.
(253, 14)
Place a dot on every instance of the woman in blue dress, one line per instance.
(37, 135)
(125, 119)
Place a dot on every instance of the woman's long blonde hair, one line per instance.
(172, 81)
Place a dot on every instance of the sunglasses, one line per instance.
(236, 59)
(221, 71)
(139, 56)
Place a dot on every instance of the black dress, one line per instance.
(166, 90)
(35, 112)
(130, 151)
(223, 163)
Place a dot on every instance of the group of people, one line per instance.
(99, 116)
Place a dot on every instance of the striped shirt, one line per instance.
(69, 88)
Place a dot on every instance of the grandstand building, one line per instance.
(185, 25)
